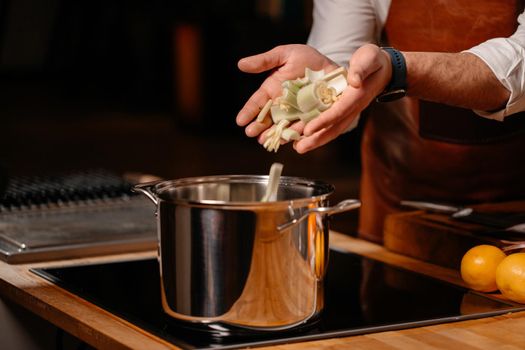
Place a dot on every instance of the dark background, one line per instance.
(148, 86)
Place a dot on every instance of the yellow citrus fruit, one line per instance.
(478, 267)
(510, 277)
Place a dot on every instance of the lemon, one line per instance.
(478, 267)
(510, 277)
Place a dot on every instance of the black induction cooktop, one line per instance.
(361, 296)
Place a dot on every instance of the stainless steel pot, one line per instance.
(228, 258)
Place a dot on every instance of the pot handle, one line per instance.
(347, 204)
(145, 189)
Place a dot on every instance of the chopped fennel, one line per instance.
(302, 99)
(290, 134)
(313, 75)
(264, 111)
(279, 114)
(273, 137)
(341, 71)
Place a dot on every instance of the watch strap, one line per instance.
(399, 69)
(396, 88)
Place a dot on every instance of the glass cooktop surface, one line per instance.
(361, 296)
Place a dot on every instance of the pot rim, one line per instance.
(325, 189)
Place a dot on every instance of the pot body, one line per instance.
(223, 260)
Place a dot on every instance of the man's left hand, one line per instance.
(369, 73)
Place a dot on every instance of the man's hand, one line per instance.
(287, 62)
(369, 72)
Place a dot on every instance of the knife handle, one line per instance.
(495, 220)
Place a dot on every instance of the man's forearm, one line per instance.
(458, 79)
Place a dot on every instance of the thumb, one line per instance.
(263, 62)
(364, 62)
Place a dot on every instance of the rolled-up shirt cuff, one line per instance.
(506, 60)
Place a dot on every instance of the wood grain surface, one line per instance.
(106, 331)
(439, 239)
(80, 318)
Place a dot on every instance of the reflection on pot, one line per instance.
(223, 259)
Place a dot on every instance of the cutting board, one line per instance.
(439, 239)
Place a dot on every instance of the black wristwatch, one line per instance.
(397, 87)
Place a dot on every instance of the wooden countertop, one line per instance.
(104, 330)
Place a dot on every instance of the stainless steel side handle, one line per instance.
(346, 205)
(145, 189)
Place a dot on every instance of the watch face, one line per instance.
(393, 95)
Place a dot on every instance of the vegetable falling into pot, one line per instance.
(273, 183)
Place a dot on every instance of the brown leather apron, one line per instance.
(413, 149)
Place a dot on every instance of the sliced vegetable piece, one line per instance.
(326, 96)
(264, 111)
(338, 83)
(313, 75)
(316, 95)
(289, 99)
(292, 85)
(273, 183)
(306, 98)
(290, 134)
(279, 114)
(339, 71)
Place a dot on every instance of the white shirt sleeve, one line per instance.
(506, 58)
(342, 26)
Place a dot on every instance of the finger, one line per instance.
(264, 61)
(321, 137)
(262, 137)
(347, 107)
(316, 140)
(252, 107)
(364, 62)
(270, 89)
(256, 128)
(298, 126)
